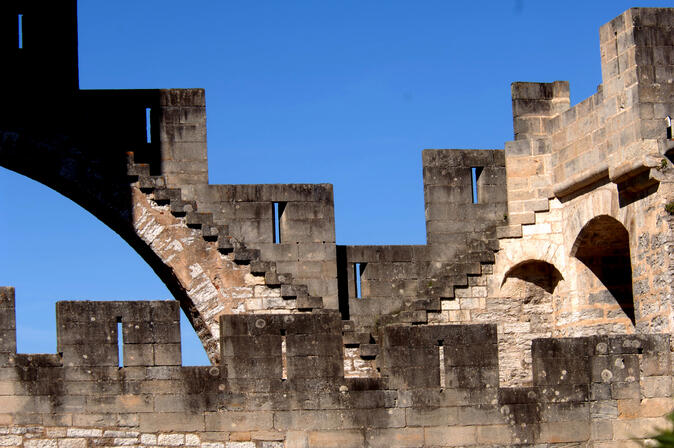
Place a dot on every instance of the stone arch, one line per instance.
(527, 293)
(99, 182)
(517, 252)
(541, 274)
(603, 246)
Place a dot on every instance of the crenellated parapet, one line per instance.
(538, 312)
(281, 379)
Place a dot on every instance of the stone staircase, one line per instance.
(514, 227)
(218, 233)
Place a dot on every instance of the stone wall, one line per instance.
(280, 383)
(538, 313)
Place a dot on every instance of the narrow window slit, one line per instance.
(357, 275)
(284, 359)
(277, 212)
(120, 343)
(668, 120)
(148, 125)
(20, 31)
(474, 177)
(441, 359)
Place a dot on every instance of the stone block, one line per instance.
(637, 428)
(335, 439)
(655, 407)
(123, 403)
(479, 415)
(625, 391)
(445, 416)
(656, 386)
(450, 436)
(630, 408)
(171, 439)
(238, 421)
(7, 319)
(574, 431)
(565, 412)
(308, 420)
(495, 435)
(90, 355)
(8, 341)
(171, 421)
(655, 364)
(315, 366)
(10, 440)
(138, 355)
(167, 355)
(399, 437)
(40, 443)
(73, 443)
(313, 345)
(604, 409)
(601, 430)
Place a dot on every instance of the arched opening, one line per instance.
(603, 246)
(55, 250)
(537, 278)
(526, 311)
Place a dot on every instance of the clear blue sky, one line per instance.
(346, 92)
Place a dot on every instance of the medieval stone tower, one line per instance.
(538, 315)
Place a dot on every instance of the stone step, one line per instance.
(244, 255)
(294, 291)
(413, 317)
(138, 170)
(166, 195)
(432, 304)
(512, 231)
(348, 325)
(259, 267)
(457, 280)
(274, 279)
(483, 256)
(150, 183)
(196, 220)
(309, 303)
(355, 339)
(472, 267)
(181, 208)
(368, 351)
(213, 232)
(225, 243)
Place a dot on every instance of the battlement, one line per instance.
(538, 311)
(281, 377)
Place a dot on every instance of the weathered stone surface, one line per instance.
(548, 270)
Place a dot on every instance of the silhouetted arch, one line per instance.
(99, 183)
(603, 246)
(540, 273)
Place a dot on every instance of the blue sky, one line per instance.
(344, 92)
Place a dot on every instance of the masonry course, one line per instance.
(538, 313)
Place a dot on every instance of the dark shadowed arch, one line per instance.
(603, 246)
(540, 273)
(100, 184)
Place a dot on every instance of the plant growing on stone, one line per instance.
(663, 165)
(669, 207)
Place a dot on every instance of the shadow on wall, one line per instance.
(603, 246)
(540, 274)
